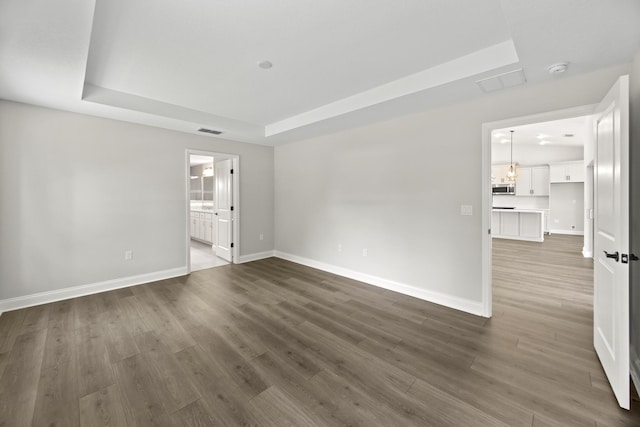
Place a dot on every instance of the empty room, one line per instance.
(196, 205)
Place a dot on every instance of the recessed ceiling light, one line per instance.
(542, 136)
(265, 65)
(504, 141)
(568, 135)
(558, 68)
(499, 135)
(545, 142)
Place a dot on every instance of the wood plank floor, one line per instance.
(275, 343)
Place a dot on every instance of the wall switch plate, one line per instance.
(466, 210)
(261, 236)
(128, 255)
(339, 247)
(365, 252)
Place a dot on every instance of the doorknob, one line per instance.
(615, 255)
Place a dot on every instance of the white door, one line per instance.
(611, 239)
(223, 216)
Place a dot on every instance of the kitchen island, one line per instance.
(518, 224)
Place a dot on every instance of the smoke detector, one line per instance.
(558, 68)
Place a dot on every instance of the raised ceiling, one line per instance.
(336, 64)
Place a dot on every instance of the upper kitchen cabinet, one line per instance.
(532, 181)
(567, 172)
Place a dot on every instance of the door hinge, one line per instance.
(489, 231)
(232, 208)
(231, 171)
(232, 245)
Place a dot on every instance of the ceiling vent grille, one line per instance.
(502, 81)
(211, 131)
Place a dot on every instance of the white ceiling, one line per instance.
(196, 159)
(553, 133)
(336, 64)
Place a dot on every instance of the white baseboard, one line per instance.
(469, 306)
(571, 232)
(254, 257)
(587, 254)
(93, 288)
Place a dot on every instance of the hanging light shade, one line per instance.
(512, 174)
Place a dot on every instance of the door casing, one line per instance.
(487, 200)
(236, 201)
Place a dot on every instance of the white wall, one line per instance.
(534, 154)
(521, 202)
(77, 191)
(396, 188)
(566, 208)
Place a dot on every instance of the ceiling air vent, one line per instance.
(502, 81)
(211, 131)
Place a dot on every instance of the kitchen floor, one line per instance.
(203, 256)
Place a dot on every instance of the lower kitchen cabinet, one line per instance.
(518, 225)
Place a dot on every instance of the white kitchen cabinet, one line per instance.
(495, 223)
(567, 172)
(530, 225)
(509, 224)
(518, 225)
(532, 181)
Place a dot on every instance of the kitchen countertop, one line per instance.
(542, 211)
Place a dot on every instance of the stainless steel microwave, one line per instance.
(504, 189)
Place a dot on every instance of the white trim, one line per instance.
(524, 239)
(255, 257)
(487, 202)
(480, 61)
(463, 304)
(587, 254)
(93, 288)
(571, 232)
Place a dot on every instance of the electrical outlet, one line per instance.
(261, 236)
(339, 247)
(466, 210)
(365, 252)
(128, 255)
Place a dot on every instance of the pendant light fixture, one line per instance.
(511, 174)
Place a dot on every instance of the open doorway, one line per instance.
(212, 209)
(522, 208)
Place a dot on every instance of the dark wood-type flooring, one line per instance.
(275, 343)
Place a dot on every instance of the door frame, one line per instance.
(235, 160)
(487, 196)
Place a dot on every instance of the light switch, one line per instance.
(466, 210)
